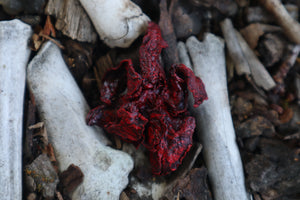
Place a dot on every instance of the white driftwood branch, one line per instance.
(234, 49)
(290, 26)
(220, 150)
(14, 54)
(259, 73)
(244, 58)
(63, 109)
(118, 22)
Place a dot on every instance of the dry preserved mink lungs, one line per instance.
(153, 110)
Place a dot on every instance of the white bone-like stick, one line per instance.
(63, 108)
(221, 153)
(14, 54)
(118, 22)
(234, 49)
(290, 26)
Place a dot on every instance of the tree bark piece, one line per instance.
(213, 117)
(118, 22)
(63, 109)
(72, 20)
(14, 54)
(260, 75)
(290, 26)
(234, 49)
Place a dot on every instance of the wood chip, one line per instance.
(72, 20)
(70, 179)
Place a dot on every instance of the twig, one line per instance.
(52, 40)
(234, 49)
(290, 26)
(169, 54)
(259, 73)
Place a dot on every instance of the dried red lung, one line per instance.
(148, 108)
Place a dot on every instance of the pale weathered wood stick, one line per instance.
(63, 109)
(234, 49)
(290, 26)
(260, 75)
(118, 22)
(221, 153)
(14, 55)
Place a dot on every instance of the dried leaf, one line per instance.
(49, 28)
(286, 116)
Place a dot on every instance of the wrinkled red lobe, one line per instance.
(149, 107)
